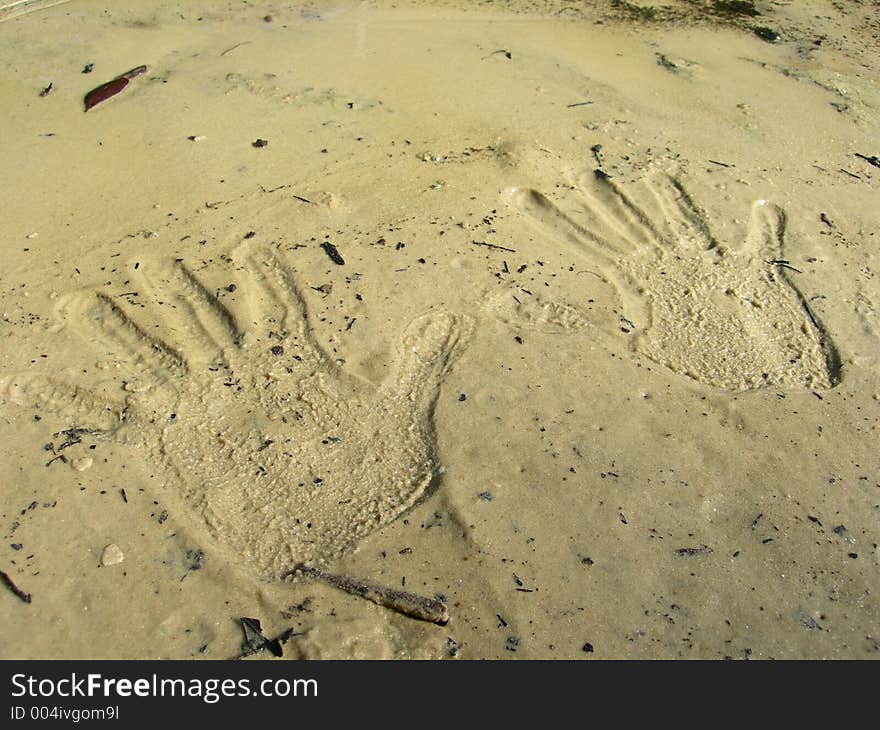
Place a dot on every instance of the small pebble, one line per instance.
(82, 463)
(112, 555)
(767, 34)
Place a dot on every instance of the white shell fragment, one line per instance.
(82, 463)
(112, 555)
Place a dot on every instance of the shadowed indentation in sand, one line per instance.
(287, 458)
(729, 318)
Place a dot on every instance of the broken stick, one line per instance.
(410, 604)
(493, 245)
(10, 584)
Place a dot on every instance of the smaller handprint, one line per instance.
(288, 459)
(726, 317)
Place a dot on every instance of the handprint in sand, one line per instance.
(287, 459)
(726, 317)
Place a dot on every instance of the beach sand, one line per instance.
(561, 314)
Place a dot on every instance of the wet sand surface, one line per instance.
(561, 315)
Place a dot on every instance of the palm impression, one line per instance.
(726, 317)
(287, 459)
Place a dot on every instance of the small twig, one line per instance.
(410, 604)
(75, 432)
(812, 317)
(492, 245)
(784, 264)
(702, 550)
(851, 174)
(272, 190)
(237, 45)
(722, 164)
(10, 584)
(579, 103)
(872, 160)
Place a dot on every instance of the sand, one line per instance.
(562, 315)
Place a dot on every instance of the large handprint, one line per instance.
(729, 318)
(287, 459)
